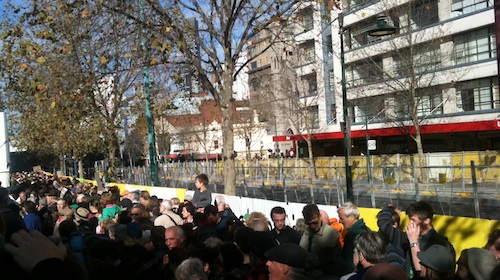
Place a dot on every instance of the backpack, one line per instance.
(78, 244)
(229, 224)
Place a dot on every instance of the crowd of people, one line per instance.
(62, 229)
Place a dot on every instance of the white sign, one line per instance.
(372, 145)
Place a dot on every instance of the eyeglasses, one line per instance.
(134, 214)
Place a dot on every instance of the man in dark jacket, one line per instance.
(349, 217)
(281, 231)
(12, 219)
(421, 234)
(388, 221)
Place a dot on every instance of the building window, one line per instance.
(331, 76)
(329, 45)
(368, 109)
(421, 14)
(430, 105)
(253, 64)
(355, 4)
(308, 51)
(462, 7)
(216, 144)
(428, 60)
(255, 84)
(477, 95)
(475, 45)
(366, 72)
(425, 59)
(312, 117)
(427, 102)
(333, 113)
(357, 35)
(310, 85)
(307, 18)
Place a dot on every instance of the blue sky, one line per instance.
(3, 3)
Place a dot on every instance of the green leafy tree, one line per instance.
(77, 62)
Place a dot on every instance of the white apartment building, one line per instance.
(441, 65)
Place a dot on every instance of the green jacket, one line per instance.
(358, 228)
(326, 237)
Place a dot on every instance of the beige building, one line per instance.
(439, 70)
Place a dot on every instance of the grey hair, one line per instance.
(220, 200)
(118, 230)
(190, 269)
(372, 245)
(350, 209)
(167, 204)
(136, 195)
(259, 225)
(179, 230)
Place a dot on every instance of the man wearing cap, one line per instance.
(286, 261)
(52, 197)
(48, 212)
(81, 218)
(436, 261)
(125, 194)
(476, 263)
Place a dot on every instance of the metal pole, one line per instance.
(368, 164)
(474, 186)
(345, 107)
(415, 183)
(463, 171)
(149, 115)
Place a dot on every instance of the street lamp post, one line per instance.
(382, 29)
(149, 115)
(346, 129)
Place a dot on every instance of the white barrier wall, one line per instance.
(239, 205)
(4, 152)
(457, 229)
(244, 205)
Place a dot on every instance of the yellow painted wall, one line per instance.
(462, 232)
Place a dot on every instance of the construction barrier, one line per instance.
(463, 232)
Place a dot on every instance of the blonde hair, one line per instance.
(175, 201)
(300, 226)
(68, 212)
(257, 221)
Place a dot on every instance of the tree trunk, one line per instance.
(80, 169)
(422, 163)
(227, 107)
(312, 164)
(62, 164)
(112, 145)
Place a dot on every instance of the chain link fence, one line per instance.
(461, 184)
